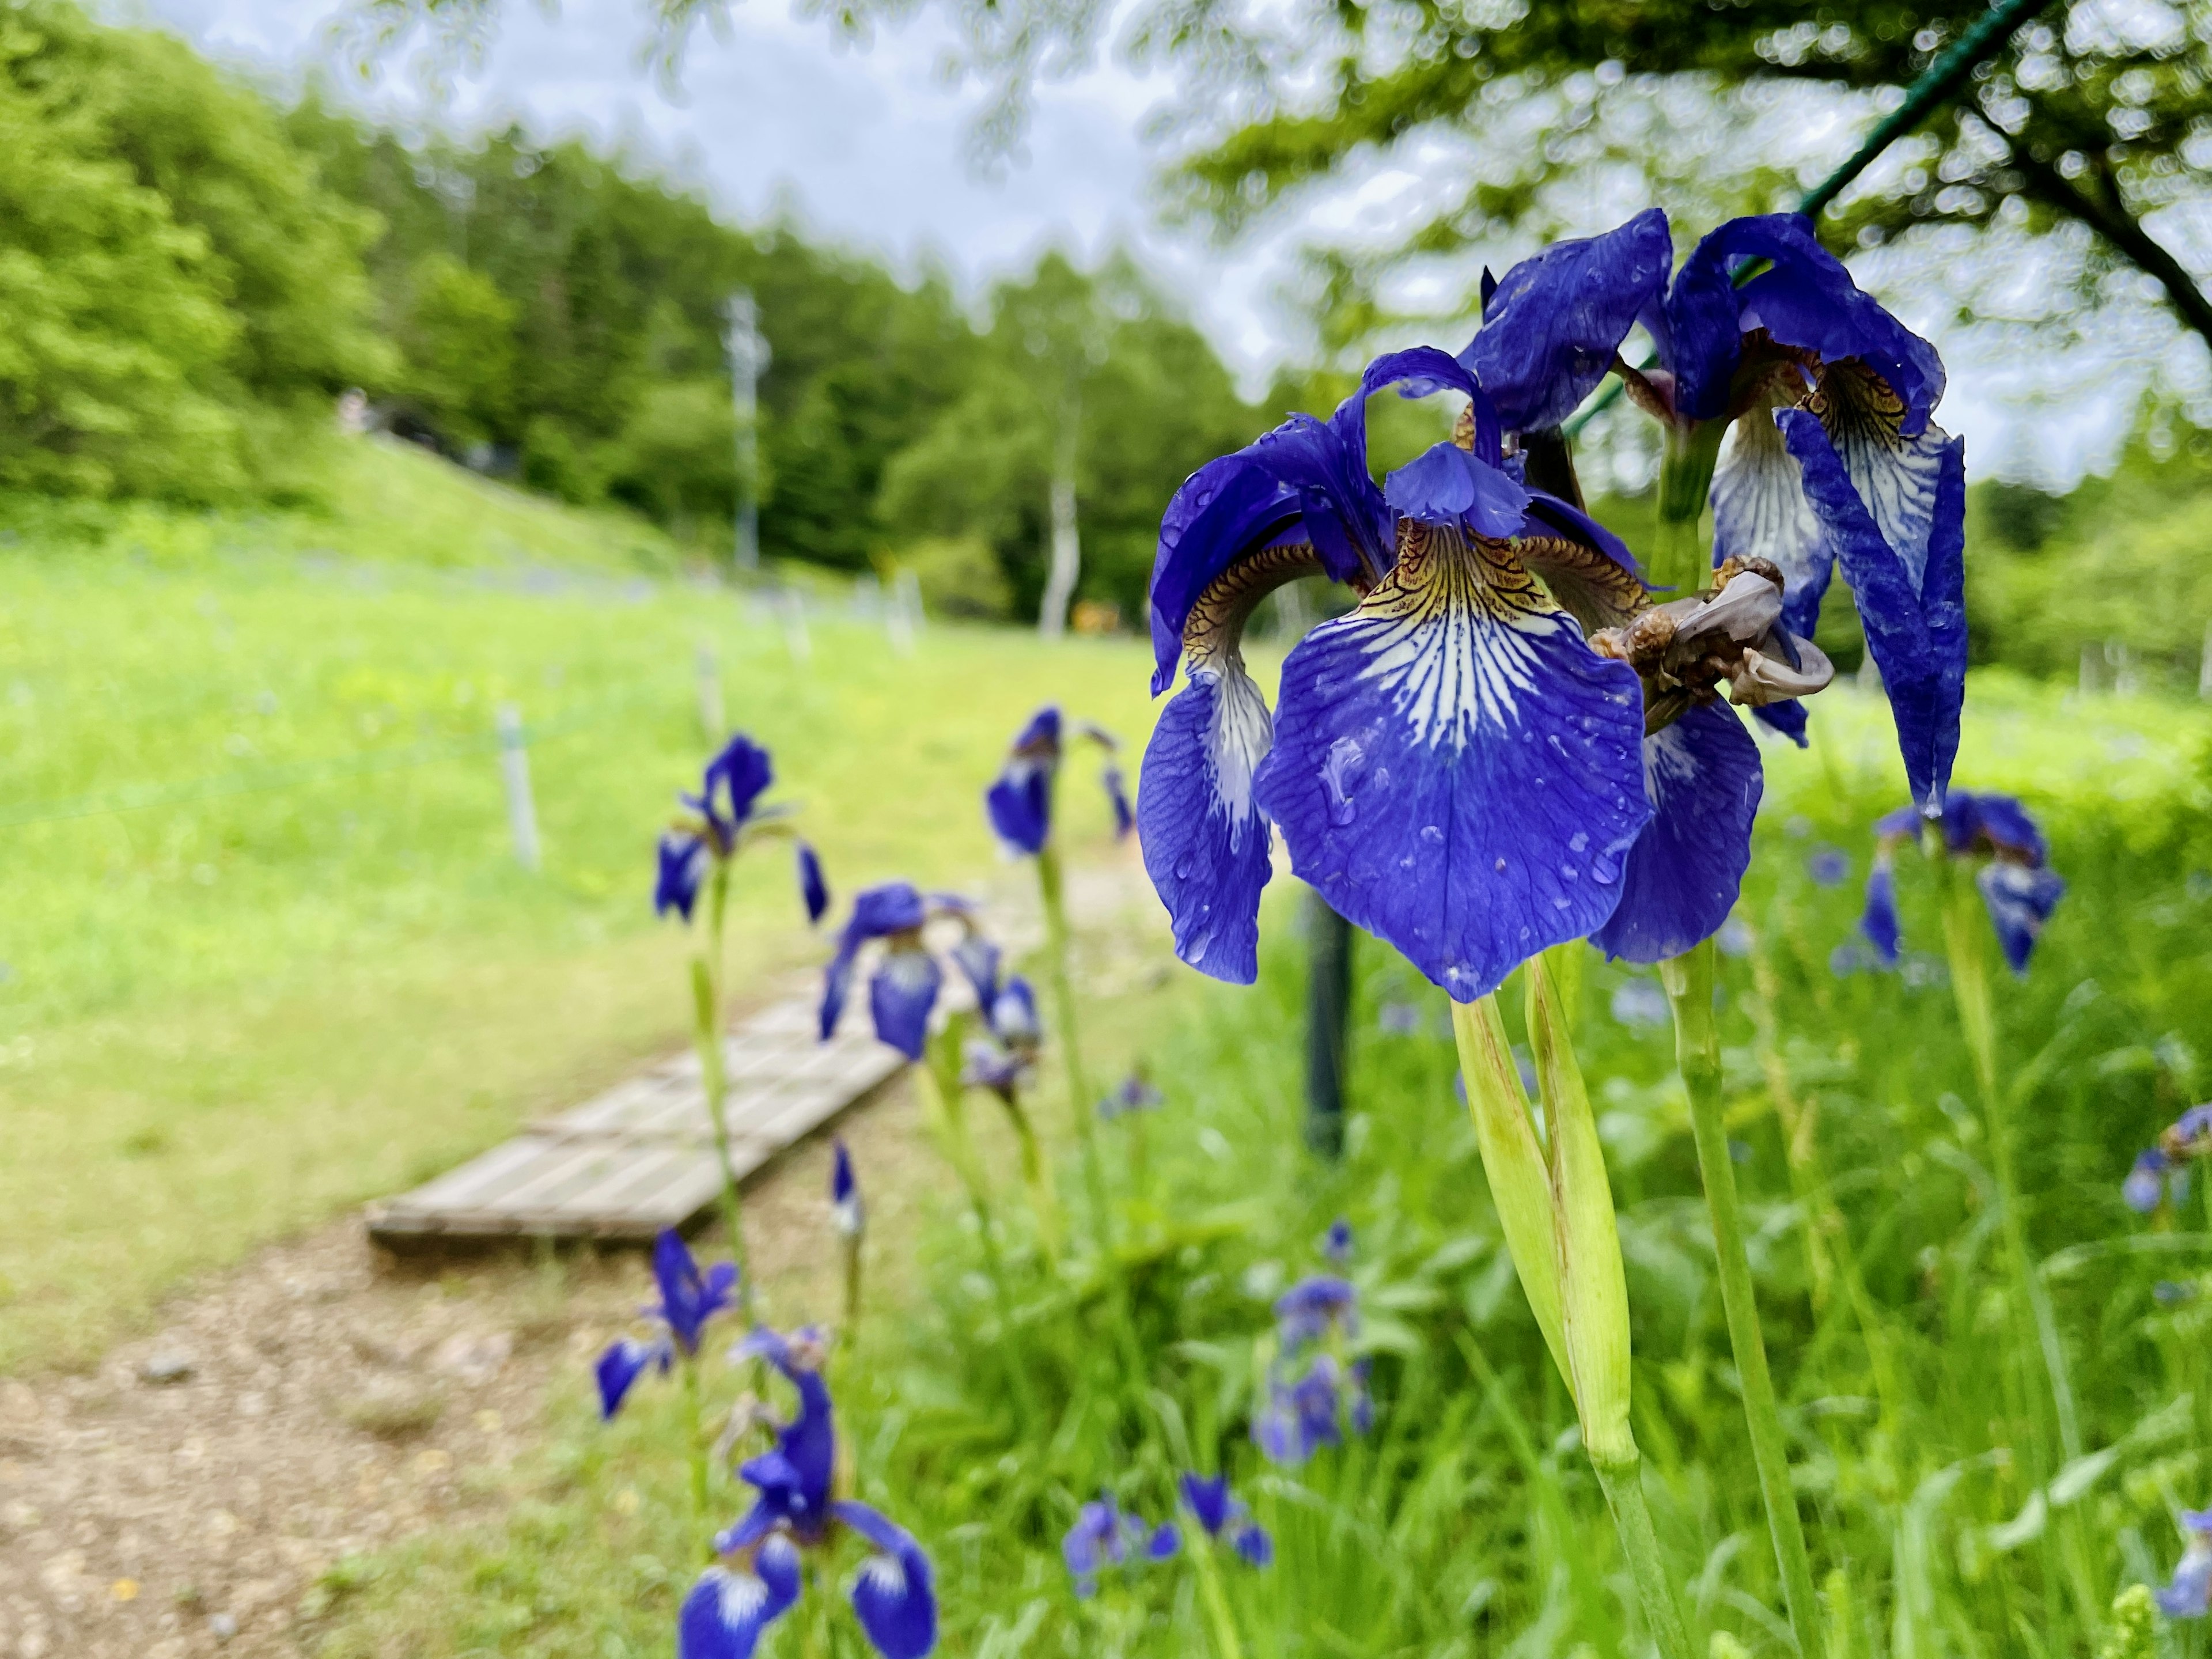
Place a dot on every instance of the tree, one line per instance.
(2097, 115)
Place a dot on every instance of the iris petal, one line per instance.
(2020, 900)
(1204, 836)
(901, 995)
(895, 1597)
(813, 888)
(1448, 485)
(1879, 920)
(1208, 1500)
(1551, 327)
(727, 1610)
(1789, 718)
(622, 1365)
(1454, 768)
(1916, 628)
(1759, 511)
(1703, 775)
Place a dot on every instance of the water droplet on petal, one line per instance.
(1576, 842)
(1432, 834)
(1501, 866)
(1569, 872)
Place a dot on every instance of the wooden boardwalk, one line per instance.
(641, 1157)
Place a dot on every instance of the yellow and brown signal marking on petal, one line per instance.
(1597, 591)
(1216, 623)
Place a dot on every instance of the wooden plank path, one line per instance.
(641, 1157)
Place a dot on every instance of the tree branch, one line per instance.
(2103, 212)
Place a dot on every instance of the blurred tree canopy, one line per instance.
(178, 295)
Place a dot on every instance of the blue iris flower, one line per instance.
(688, 1299)
(1453, 766)
(758, 1580)
(1221, 1515)
(2018, 886)
(1315, 1307)
(2145, 1186)
(2189, 1594)
(714, 825)
(1336, 1243)
(845, 1207)
(1019, 801)
(2162, 1171)
(1104, 1537)
(1133, 1093)
(904, 990)
(1833, 456)
(813, 887)
(1829, 866)
(1313, 1394)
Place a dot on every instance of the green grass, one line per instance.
(267, 952)
(1941, 1520)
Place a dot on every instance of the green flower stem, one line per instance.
(694, 1438)
(1034, 1175)
(713, 1073)
(1689, 981)
(1210, 1591)
(1051, 886)
(1681, 555)
(1632, 1518)
(940, 1099)
(1963, 930)
(851, 1325)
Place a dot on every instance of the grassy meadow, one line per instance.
(1945, 1515)
(267, 950)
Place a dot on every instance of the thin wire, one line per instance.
(1937, 82)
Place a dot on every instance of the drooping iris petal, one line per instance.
(1117, 796)
(622, 1365)
(902, 995)
(1165, 1541)
(1093, 1543)
(2189, 1594)
(1276, 1431)
(727, 1609)
(895, 1595)
(1879, 920)
(680, 867)
(1013, 1014)
(1806, 299)
(1759, 511)
(1204, 839)
(1703, 778)
(1992, 822)
(894, 907)
(977, 958)
(1551, 327)
(813, 888)
(1915, 621)
(2020, 900)
(1020, 805)
(1454, 768)
(1253, 1545)
(2146, 1182)
(1788, 719)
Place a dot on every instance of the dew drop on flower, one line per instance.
(1431, 834)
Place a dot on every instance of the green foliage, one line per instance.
(181, 297)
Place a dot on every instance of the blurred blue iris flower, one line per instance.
(1019, 802)
(2160, 1172)
(2018, 886)
(688, 1299)
(904, 990)
(1827, 399)
(758, 1575)
(847, 1214)
(713, 824)
(2189, 1594)
(1313, 1392)
(813, 886)
(1336, 1242)
(1222, 1516)
(1133, 1093)
(1104, 1536)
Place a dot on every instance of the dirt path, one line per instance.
(327, 1400)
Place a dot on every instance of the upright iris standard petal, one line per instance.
(1447, 485)
(1703, 776)
(1454, 768)
(1915, 619)
(622, 1365)
(902, 995)
(2020, 898)
(1204, 839)
(813, 887)
(688, 1298)
(681, 865)
(879, 912)
(1879, 920)
(895, 1597)
(1551, 328)
(734, 780)
(728, 1609)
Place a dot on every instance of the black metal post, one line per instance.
(1328, 1023)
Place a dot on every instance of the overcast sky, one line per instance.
(868, 147)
